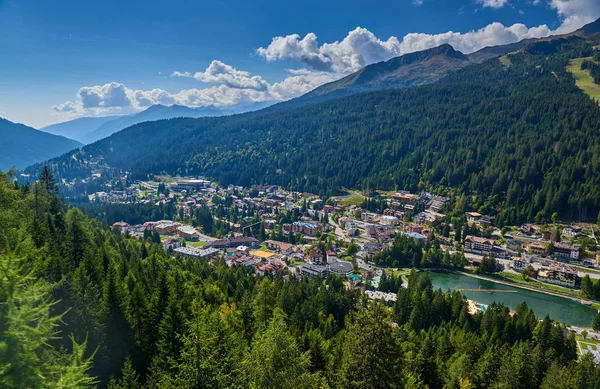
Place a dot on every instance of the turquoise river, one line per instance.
(561, 309)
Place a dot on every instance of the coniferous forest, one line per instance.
(83, 306)
(517, 132)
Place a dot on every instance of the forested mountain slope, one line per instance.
(22, 146)
(151, 321)
(520, 133)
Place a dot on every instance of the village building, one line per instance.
(188, 233)
(281, 247)
(171, 244)
(566, 251)
(166, 227)
(537, 248)
(475, 244)
(559, 274)
(196, 253)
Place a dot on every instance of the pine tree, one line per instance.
(275, 360)
(26, 330)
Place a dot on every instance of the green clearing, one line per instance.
(504, 60)
(353, 198)
(195, 244)
(583, 80)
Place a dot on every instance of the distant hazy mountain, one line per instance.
(22, 146)
(155, 112)
(78, 128)
(422, 67)
(159, 112)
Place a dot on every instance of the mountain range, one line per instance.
(21, 146)
(514, 131)
(90, 129)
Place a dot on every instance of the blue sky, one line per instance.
(67, 59)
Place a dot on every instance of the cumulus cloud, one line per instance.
(575, 13)
(361, 47)
(496, 4)
(105, 96)
(68, 106)
(235, 86)
(220, 73)
(181, 74)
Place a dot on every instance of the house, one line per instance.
(479, 219)
(233, 242)
(559, 274)
(549, 235)
(189, 185)
(519, 264)
(305, 228)
(478, 245)
(413, 228)
(192, 252)
(571, 231)
(122, 226)
(566, 251)
(404, 197)
(188, 233)
(166, 227)
(351, 224)
(331, 256)
(313, 270)
(513, 244)
(281, 247)
(419, 238)
(438, 203)
(389, 220)
(537, 248)
(171, 244)
(316, 256)
(341, 268)
(368, 217)
(530, 229)
(373, 247)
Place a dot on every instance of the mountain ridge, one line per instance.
(21, 145)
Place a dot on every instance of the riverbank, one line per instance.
(531, 288)
(487, 290)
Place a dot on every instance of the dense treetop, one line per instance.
(82, 305)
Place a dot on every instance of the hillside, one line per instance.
(423, 67)
(485, 129)
(77, 129)
(22, 146)
(155, 112)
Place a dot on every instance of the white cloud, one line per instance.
(235, 86)
(495, 4)
(575, 13)
(105, 96)
(417, 3)
(68, 106)
(491, 35)
(181, 74)
(361, 47)
(220, 73)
